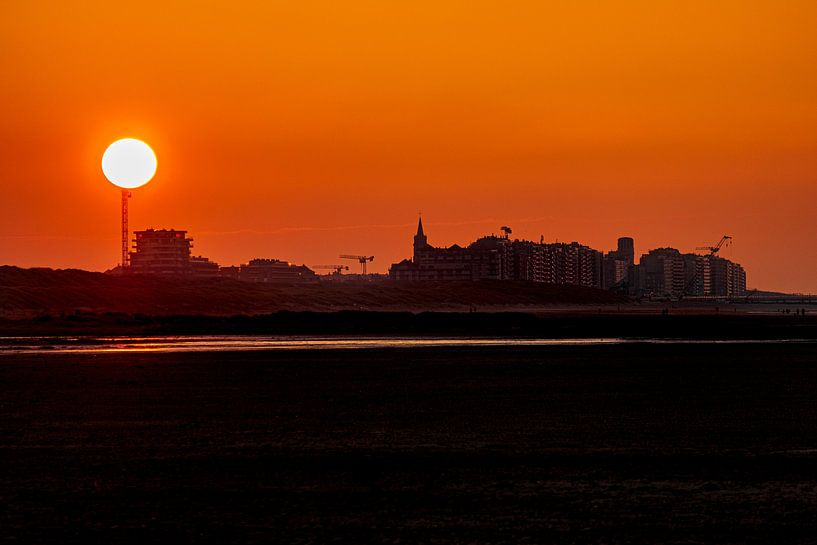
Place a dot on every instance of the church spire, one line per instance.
(420, 240)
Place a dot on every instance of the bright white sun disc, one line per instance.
(129, 163)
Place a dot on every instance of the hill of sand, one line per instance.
(30, 292)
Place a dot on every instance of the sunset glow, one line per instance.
(301, 131)
(417, 271)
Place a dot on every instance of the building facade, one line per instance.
(727, 278)
(202, 267)
(161, 252)
(275, 271)
(666, 272)
(500, 258)
(618, 264)
(166, 252)
(662, 272)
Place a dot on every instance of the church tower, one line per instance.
(420, 240)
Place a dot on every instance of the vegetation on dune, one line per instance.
(29, 292)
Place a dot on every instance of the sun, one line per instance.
(129, 163)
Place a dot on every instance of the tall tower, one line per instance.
(626, 250)
(420, 240)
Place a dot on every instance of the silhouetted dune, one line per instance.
(30, 292)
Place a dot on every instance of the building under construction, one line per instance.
(161, 252)
(166, 252)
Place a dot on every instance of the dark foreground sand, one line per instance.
(625, 444)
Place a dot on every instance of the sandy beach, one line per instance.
(599, 444)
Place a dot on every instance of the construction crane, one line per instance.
(337, 268)
(725, 239)
(362, 259)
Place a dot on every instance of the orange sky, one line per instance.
(301, 130)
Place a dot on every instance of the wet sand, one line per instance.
(600, 444)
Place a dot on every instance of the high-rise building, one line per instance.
(626, 250)
(663, 272)
(166, 252)
(728, 278)
(573, 263)
(161, 251)
(668, 272)
(618, 263)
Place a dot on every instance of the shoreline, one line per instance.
(511, 325)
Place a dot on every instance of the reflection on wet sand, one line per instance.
(90, 345)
